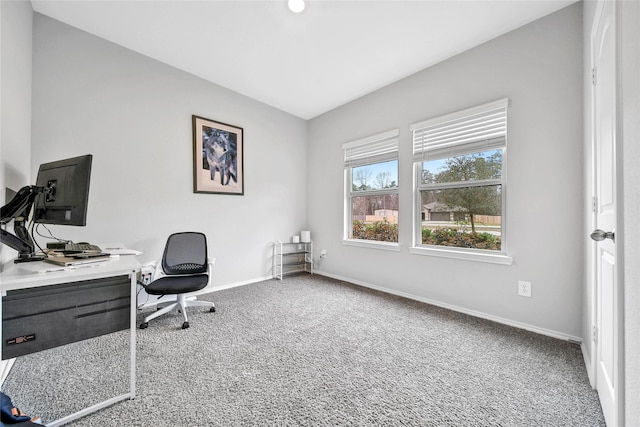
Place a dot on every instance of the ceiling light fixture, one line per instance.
(296, 6)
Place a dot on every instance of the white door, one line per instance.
(604, 122)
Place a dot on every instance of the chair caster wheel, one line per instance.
(144, 325)
(212, 309)
(185, 325)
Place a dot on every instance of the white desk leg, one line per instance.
(5, 365)
(132, 342)
(132, 365)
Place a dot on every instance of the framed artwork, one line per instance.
(218, 165)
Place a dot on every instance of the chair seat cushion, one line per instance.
(177, 284)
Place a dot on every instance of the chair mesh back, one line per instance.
(185, 253)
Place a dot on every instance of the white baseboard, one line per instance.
(479, 314)
(497, 319)
(152, 300)
(587, 364)
(209, 289)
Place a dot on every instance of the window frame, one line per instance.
(478, 144)
(368, 155)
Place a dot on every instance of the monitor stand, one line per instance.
(21, 242)
(29, 258)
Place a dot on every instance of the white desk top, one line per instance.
(39, 273)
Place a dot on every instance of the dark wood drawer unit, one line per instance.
(49, 316)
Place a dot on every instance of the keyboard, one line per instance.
(81, 247)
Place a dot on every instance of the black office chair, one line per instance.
(186, 268)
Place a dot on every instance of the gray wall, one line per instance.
(134, 115)
(539, 67)
(15, 100)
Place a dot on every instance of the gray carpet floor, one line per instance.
(311, 351)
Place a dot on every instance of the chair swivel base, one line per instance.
(181, 304)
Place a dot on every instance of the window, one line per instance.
(459, 162)
(371, 189)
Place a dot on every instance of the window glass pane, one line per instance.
(375, 217)
(467, 217)
(468, 167)
(376, 176)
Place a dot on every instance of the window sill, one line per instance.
(386, 246)
(467, 256)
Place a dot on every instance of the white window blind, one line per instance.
(479, 128)
(373, 149)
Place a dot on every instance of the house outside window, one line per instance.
(371, 190)
(459, 163)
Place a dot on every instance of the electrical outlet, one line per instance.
(323, 254)
(524, 288)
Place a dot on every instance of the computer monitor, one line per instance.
(68, 197)
(60, 197)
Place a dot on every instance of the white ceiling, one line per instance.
(308, 63)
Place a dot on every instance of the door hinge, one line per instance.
(595, 334)
(594, 204)
(594, 78)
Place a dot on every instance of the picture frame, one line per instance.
(218, 157)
